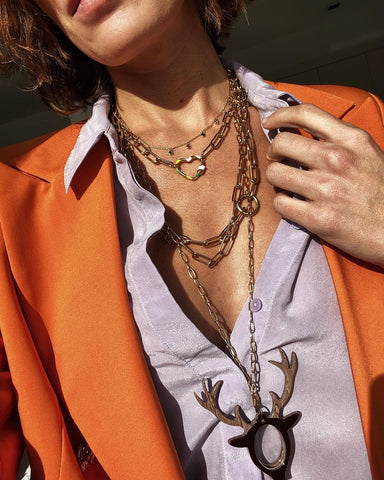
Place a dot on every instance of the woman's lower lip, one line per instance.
(87, 7)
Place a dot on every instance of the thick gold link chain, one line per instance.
(245, 204)
(247, 182)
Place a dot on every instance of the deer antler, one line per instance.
(211, 404)
(289, 369)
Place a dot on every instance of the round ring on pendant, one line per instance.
(251, 208)
(200, 169)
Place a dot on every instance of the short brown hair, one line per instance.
(66, 79)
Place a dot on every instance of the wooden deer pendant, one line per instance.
(249, 439)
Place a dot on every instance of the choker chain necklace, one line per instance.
(188, 143)
(245, 205)
(147, 152)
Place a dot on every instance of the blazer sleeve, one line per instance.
(11, 438)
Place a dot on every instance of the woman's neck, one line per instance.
(175, 88)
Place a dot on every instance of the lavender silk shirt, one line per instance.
(295, 308)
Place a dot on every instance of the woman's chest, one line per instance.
(224, 235)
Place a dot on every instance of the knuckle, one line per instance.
(339, 159)
(360, 137)
(308, 108)
(326, 221)
(326, 190)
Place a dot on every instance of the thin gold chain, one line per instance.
(146, 151)
(245, 205)
(202, 133)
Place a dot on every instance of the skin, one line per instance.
(148, 56)
(166, 89)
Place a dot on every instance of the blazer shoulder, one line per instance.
(44, 156)
(353, 105)
(352, 94)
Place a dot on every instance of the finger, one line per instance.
(306, 151)
(305, 213)
(311, 119)
(326, 222)
(300, 182)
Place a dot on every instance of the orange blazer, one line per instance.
(71, 362)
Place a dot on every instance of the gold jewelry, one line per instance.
(245, 205)
(247, 177)
(188, 143)
(147, 152)
(246, 186)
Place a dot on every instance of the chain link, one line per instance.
(202, 133)
(246, 186)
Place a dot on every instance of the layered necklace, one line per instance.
(147, 151)
(245, 206)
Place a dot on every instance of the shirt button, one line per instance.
(256, 305)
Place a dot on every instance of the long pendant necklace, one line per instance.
(245, 205)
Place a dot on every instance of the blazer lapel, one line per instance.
(78, 305)
(118, 406)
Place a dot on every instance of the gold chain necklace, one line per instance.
(188, 143)
(245, 205)
(147, 152)
(247, 178)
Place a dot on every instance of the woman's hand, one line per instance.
(342, 180)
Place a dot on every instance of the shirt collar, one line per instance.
(260, 94)
(95, 127)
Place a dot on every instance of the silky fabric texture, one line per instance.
(81, 296)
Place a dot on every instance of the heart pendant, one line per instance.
(200, 169)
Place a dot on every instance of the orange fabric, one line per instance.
(67, 327)
(74, 354)
(364, 329)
